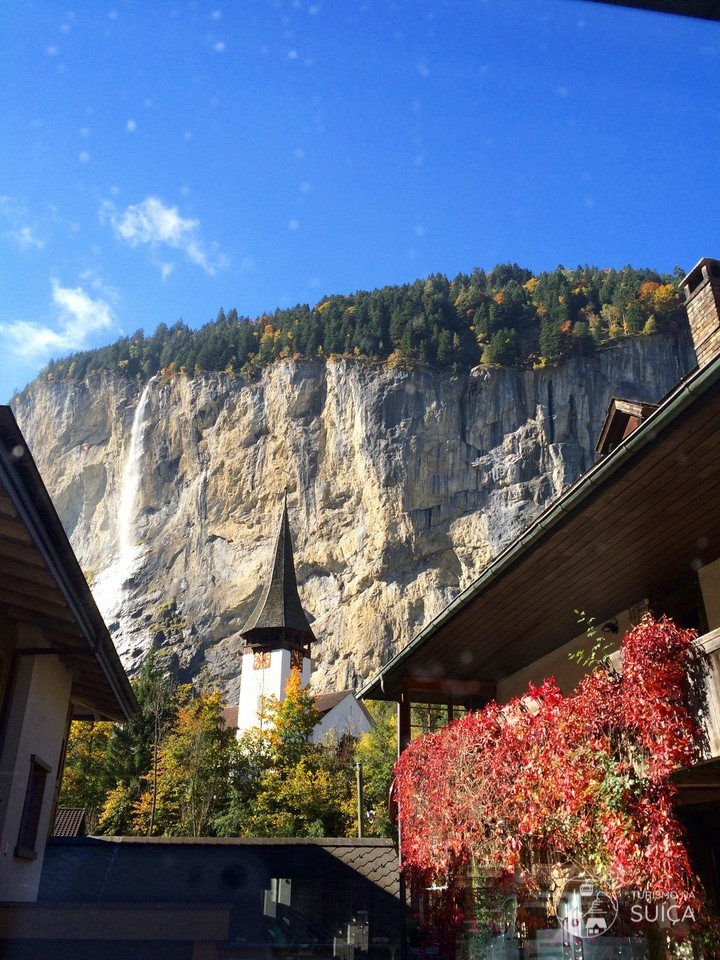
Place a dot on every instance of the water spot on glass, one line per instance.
(17, 452)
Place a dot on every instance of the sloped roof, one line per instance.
(332, 877)
(324, 702)
(41, 583)
(702, 9)
(622, 418)
(230, 716)
(376, 860)
(279, 606)
(69, 822)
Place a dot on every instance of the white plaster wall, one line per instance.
(39, 710)
(346, 717)
(709, 577)
(270, 681)
(558, 664)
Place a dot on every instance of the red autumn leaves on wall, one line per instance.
(549, 778)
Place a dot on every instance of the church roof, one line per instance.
(279, 606)
(324, 702)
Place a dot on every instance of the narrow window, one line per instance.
(34, 795)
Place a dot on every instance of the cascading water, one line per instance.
(110, 586)
(130, 487)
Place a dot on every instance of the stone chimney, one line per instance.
(702, 301)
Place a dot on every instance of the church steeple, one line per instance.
(277, 636)
(278, 620)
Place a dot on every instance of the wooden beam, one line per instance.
(17, 552)
(13, 530)
(456, 688)
(26, 571)
(404, 734)
(12, 586)
(30, 614)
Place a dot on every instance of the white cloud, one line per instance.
(26, 238)
(19, 231)
(79, 316)
(152, 224)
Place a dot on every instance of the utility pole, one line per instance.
(360, 801)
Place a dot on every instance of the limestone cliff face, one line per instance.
(401, 486)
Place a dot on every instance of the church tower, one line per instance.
(277, 635)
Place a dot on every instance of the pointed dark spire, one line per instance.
(279, 620)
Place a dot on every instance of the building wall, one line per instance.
(345, 718)
(38, 705)
(709, 577)
(558, 664)
(268, 681)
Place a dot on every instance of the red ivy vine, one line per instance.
(549, 778)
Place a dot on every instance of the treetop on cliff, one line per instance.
(507, 317)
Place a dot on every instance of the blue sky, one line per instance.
(160, 160)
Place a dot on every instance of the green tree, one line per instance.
(288, 785)
(503, 349)
(376, 750)
(85, 779)
(133, 747)
(194, 765)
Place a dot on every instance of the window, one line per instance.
(27, 837)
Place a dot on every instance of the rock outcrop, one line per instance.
(402, 485)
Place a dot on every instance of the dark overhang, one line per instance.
(41, 583)
(702, 9)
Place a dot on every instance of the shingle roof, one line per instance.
(377, 861)
(69, 822)
(332, 877)
(279, 606)
(324, 702)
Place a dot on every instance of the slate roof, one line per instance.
(332, 878)
(279, 607)
(69, 822)
(377, 861)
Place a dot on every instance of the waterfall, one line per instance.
(109, 587)
(130, 487)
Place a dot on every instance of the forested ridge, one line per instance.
(506, 317)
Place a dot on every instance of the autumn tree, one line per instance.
(193, 772)
(285, 784)
(376, 750)
(86, 778)
(133, 747)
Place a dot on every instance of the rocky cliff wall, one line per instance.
(402, 485)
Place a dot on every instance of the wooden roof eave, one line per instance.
(48, 558)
